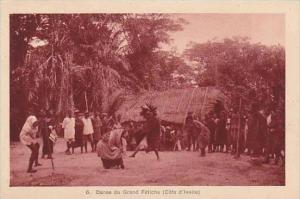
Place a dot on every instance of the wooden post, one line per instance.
(164, 106)
(239, 132)
(181, 99)
(188, 106)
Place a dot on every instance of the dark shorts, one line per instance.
(88, 137)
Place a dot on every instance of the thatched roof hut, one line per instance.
(172, 105)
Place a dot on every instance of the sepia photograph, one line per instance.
(147, 99)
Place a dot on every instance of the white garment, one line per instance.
(216, 120)
(124, 147)
(269, 119)
(143, 144)
(117, 126)
(87, 126)
(178, 145)
(69, 128)
(28, 132)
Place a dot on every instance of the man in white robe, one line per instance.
(69, 131)
(88, 131)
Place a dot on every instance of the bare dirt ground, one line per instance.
(174, 168)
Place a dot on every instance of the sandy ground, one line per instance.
(174, 168)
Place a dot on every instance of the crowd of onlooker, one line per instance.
(78, 130)
(258, 133)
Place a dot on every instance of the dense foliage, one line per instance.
(60, 62)
(86, 61)
(254, 73)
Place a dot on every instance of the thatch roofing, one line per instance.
(172, 105)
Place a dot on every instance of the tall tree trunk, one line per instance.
(66, 101)
(105, 97)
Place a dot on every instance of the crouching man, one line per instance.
(111, 148)
(28, 138)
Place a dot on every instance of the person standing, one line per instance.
(221, 132)
(177, 139)
(96, 121)
(209, 121)
(46, 131)
(192, 136)
(279, 144)
(28, 138)
(257, 130)
(248, 148)
(241, 137)
(234, 131)
(87, 131)
(78, 132)
(273, 137)
(204, 135)
(269, 150)
(196, 127)
(69, 131)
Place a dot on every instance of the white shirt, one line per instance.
(87, 126)
(28, 132)
(69, 128)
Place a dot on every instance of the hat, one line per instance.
(152, 108)
(145, 107)
(149, 108)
